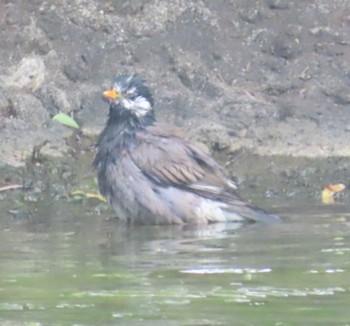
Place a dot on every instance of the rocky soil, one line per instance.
(268, 77)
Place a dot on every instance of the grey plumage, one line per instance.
(151, 175)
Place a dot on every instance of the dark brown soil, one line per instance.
(268, 78)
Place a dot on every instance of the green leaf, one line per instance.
(65, 120)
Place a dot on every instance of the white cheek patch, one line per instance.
(127, 103)
(140, 106)
(141, 102)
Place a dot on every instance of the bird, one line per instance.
(151, 174)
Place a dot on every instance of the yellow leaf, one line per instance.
(88, 195)
(336, 188)
(96, 196)
(329, 191)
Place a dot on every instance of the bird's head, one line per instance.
(129, 93)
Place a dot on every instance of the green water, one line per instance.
(61, 266)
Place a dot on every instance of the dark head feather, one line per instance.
(133, 84)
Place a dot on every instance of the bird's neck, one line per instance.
(120, 131)
(124, 121)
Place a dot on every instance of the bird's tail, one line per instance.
(244, 212)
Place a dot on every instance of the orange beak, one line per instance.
(111, 94)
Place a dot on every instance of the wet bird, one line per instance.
(151, 175)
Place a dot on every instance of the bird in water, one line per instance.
(152, 175)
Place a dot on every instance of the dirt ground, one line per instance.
(265, 77)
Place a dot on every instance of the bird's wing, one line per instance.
(170, 160)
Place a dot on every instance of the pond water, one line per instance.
(61, 266)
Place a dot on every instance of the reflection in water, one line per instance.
(71, 268)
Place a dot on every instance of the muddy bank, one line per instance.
(247, 78)
(268, 76)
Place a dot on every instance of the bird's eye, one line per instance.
(132, 97)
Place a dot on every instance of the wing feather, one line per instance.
(173, 161)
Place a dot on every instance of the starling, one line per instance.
(151, 175)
